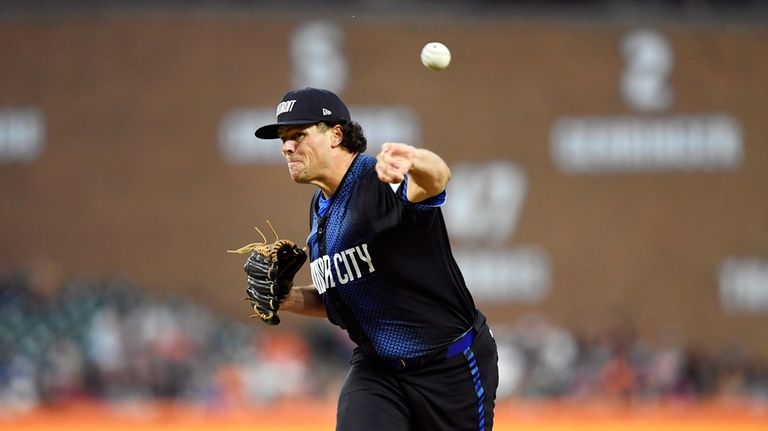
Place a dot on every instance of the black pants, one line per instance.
(454, 394)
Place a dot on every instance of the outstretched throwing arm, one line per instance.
(427, 173)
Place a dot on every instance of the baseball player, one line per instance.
(382, 269)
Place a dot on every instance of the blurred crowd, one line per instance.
(543, 360)
(109, 339)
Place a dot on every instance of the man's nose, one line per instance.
(288, 146)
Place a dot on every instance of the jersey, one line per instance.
(384, 267)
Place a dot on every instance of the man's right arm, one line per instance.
(304, 300)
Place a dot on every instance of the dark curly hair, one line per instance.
(354, 139)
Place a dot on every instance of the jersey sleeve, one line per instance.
(387, 207)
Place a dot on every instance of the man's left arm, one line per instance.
(428, 174)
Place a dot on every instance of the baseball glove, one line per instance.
(270, 268)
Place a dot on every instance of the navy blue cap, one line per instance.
(306, 106)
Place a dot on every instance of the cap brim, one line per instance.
(270, 130)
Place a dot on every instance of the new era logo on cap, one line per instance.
(306, 106)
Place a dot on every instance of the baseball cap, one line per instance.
(306, 106)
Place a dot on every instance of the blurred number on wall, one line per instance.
(648, 64)
(498, 188)
(22, 134)
(744, 285)
(597, 144)
(485, 202)
(318, 57)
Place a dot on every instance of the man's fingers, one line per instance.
(397, 149)
(389, 174)
(393, 162)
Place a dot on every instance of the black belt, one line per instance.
(456, 347)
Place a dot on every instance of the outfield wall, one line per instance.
(600, 174)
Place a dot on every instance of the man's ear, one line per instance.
(337, 135)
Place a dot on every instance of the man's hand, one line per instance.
(427, 173)
(394, 161)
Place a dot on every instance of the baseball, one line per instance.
(435, 56)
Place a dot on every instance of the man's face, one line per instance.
(307, 150)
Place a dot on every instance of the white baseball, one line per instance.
(435, 56)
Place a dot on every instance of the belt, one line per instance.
(456, 347)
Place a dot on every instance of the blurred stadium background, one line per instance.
(609, 204)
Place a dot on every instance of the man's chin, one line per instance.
(298, 178)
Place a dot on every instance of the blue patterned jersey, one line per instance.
(384, 266)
